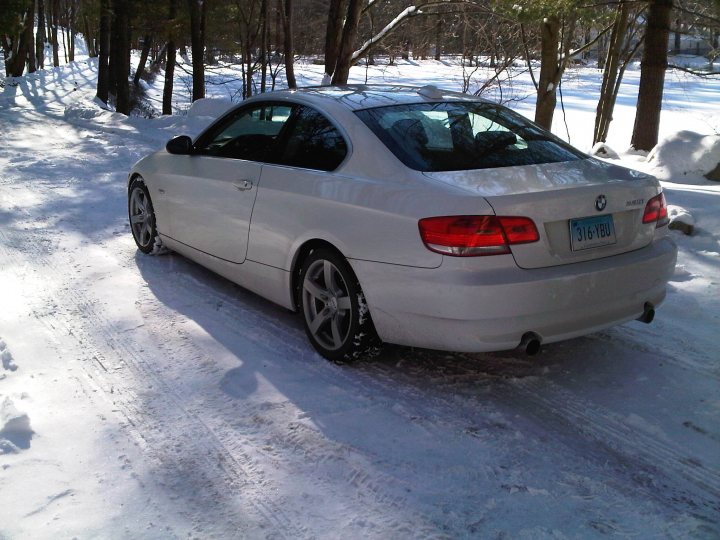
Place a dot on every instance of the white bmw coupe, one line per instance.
(408, 215)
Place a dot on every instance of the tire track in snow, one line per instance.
(693, 359)
(309, 449)
(612, 431)
(606, 438)
(104, 355)
(594, 422)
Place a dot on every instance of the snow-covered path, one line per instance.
(166, 402)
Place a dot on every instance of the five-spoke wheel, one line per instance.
(334, 309)
(142, 218)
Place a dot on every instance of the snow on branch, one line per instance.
(590, 43)
(405, 14)
(389, 27)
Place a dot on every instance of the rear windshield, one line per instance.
(462, 136)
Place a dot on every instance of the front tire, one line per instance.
(336, 316)
(142, 218)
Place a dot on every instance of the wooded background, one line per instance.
(264, 37)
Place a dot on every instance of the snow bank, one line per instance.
(7, 360)
(604, 151)
(209, 107)
(685, 153)
(15, 431)
(681, 219)
(85, 110)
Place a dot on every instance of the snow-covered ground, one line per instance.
(145, 397)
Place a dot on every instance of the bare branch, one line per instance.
(703, 74)
(405, 14)
(696, 14)
(572, 54)
(527, 56)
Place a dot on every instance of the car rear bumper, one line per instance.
(488, 303)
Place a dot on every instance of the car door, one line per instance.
(211, 194)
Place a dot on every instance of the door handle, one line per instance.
(243, 185)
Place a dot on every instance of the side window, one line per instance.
(248, 134)
(313, 143)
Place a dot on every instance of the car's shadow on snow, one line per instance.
(427, 418)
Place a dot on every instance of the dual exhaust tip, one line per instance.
(531, 341)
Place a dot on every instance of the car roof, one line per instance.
(363, 96)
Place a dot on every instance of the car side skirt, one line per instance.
(267, 281)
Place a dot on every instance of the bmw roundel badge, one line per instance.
(600, 203)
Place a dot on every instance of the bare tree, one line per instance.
(40, 35)
(103, 81)
(198, 11)
(287, 21)
(171, 52)
(652, 76)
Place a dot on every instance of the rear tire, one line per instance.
(336, 316)
(142, 219)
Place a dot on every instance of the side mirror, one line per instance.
(181, 145)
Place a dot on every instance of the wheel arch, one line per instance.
(134, 176)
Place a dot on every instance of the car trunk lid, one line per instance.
(584, 210)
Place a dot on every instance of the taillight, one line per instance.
(472, 236)
(656, 211)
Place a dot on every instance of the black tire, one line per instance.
(335, 314)
(142, 218)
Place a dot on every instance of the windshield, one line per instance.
(462, 136)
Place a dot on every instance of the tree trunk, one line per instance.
(71, 31)
(70, 45)
(347, 42)
(169, 74)
(29, 38)
(64, 43)
(606, 104)
(247, 69)
(198, 8)
(171, 54)
(147, 42)
(103, 84)
(263, 43)
(438, 36)
(678, 36)
(549, 50)
(652, 76)
(289, 52)
(122, 61)
(90, 38)
(333, 33)
(55, 14)
(17, 47)
(40, 36)
(113, 49)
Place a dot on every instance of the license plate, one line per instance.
(591, 232)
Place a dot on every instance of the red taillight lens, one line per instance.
(472, 236)
(656, 211)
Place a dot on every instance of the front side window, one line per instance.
(463, 136)
(249, 133)
(312, 143)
